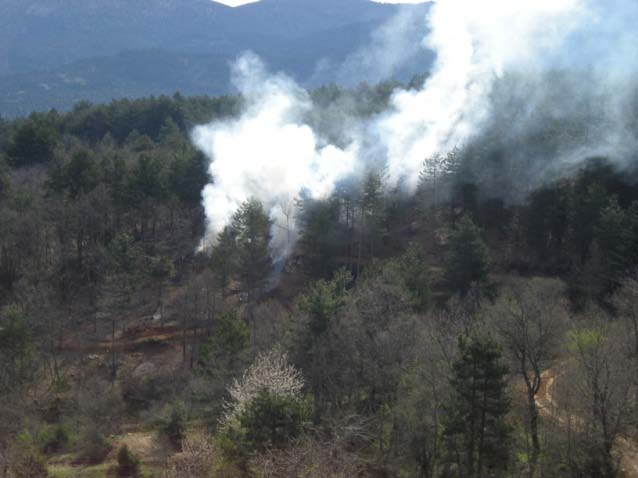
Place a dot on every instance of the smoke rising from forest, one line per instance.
(268, 153)
(502, 70)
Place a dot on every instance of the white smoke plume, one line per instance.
(268, 153)
(272, 154)
(475, 42)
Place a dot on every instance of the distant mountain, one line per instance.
(56, 52)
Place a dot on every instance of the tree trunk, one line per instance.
(184, 337)
(360, 243)
(113, 364)
(533, 425)
(479, 468)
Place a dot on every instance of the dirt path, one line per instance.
(130, 340)
(548, 407)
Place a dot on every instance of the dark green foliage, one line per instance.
(372, 210)
(584, 229)
(269, 421)
(323, 302)
(115, 173)
(414, 271)
(322, 235)
(221, 357)
(161, 269)
(547, 223)
(493, 214)
(173, 424)
(230, 339)
(34, 141)
(608, 260)
(125, 257)
(321, 307)
(475, 415)
(466, 199)
(148, 179)
(94, 447)
(101, 197)
(242, 250)
(15, 348)
(589, 200)
(170, 134)
(5, 180)
(615, 237)
(128, 465)
(189, 175)
(224, 257)
(251, 228)
(376, 333)
(148, 116)
(53, 439)
(467, 261)
(80, 175)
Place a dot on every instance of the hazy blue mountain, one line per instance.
(56, 52)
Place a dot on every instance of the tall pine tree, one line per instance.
(475, 425)
(252, 225)
(468, 257)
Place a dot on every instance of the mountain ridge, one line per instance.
(46, 42)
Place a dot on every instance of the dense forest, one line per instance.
(486, 326)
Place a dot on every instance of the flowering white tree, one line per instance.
(270, 372)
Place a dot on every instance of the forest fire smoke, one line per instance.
(268, 153)
(272, 154)
(475, 42)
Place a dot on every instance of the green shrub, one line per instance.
(95, 448)
(128, 465)
(173, 424)
(53, 439)
(230, 339)
(269, 421)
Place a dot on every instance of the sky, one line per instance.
(237, 3)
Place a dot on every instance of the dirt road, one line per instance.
(548, 407)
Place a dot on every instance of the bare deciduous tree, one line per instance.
(626, 302)
(603, 377)
(196, 459)
(331, 453)
(529, 316)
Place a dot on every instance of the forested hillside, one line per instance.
(54, 53)
(485, 327)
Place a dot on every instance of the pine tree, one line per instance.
(322, 234)
(223, 260)
(372, 205)
(252, 227)
(321, 306)
(475, 425)
(415, 274)
(614, 240)
(468, 258)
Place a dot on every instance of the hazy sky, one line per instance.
(236, 3)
